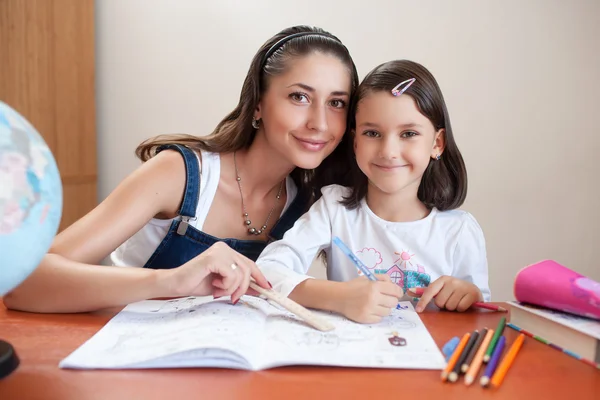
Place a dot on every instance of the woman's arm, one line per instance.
(69, 278)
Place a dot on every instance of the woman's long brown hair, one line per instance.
(235, 131)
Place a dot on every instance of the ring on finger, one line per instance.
(234, 266)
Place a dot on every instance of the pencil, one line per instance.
(355, 260)
(467, 362)
(542, 340)
(419, 292)
(455, 355)
(490, 349)
(453, 376)
(489, 307)
(478, 360)
(507, 361)
(491, 367)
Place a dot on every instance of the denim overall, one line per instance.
(184, 242)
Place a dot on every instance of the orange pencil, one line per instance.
(507, 361)
(478, 360)
(455, 355)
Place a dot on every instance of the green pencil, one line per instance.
(492, 345)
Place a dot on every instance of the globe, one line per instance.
(30, 198)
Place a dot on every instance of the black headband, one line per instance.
(282, 41)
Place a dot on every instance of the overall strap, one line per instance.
(191, 195)
(295, 210)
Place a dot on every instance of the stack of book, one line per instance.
(560, 308)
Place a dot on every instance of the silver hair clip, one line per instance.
(397, 92)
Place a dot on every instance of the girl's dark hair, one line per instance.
(444, 183)
(235, 131)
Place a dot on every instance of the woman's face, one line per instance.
(303, 111)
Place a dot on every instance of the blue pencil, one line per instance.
(359, 264)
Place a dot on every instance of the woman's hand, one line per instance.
(220, 271)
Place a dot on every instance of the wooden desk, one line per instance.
(41, 341)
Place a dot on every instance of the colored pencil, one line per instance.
(491, 366)
(478, 360)
(355, 260)
(542, 340)
(450, 346)
(419, 292)
(455, 355)
(453, 376)
(507, 361)
(467, 363)
(490, 349)
(489, 306)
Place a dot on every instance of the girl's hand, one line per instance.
(367, 301)
(449, 293)
(220, 271)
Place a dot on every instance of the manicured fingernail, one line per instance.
(217, 297)
(235, 302)
(270, 284)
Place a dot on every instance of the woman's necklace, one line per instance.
(247, 221)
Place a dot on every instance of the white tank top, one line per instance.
(138, 249)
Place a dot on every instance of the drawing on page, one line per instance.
(327, 341)
(176, 305)
(396, 340)
(188, 317)
(399, 324)
(346, 332)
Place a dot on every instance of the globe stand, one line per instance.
(8, 359)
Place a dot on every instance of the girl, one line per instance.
(208, 205)
(399, 215)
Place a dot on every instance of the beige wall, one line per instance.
(521, 80)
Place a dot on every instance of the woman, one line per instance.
(199, 210)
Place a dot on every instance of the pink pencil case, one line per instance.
(549, 284)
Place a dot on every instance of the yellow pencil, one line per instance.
(455, 355)
(478, 360)
(507, 361)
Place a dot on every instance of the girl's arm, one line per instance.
(467, 283)
(470, 256)
(69, 278)
(286, 262)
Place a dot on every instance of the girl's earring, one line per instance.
(437, 158)
(255, 123)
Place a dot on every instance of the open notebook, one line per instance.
(254, 334)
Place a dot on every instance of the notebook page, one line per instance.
(399, 341)
(145, 333)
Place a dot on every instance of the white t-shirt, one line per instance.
(413, 254)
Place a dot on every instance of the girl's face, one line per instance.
(303, 111)
(394, 142)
